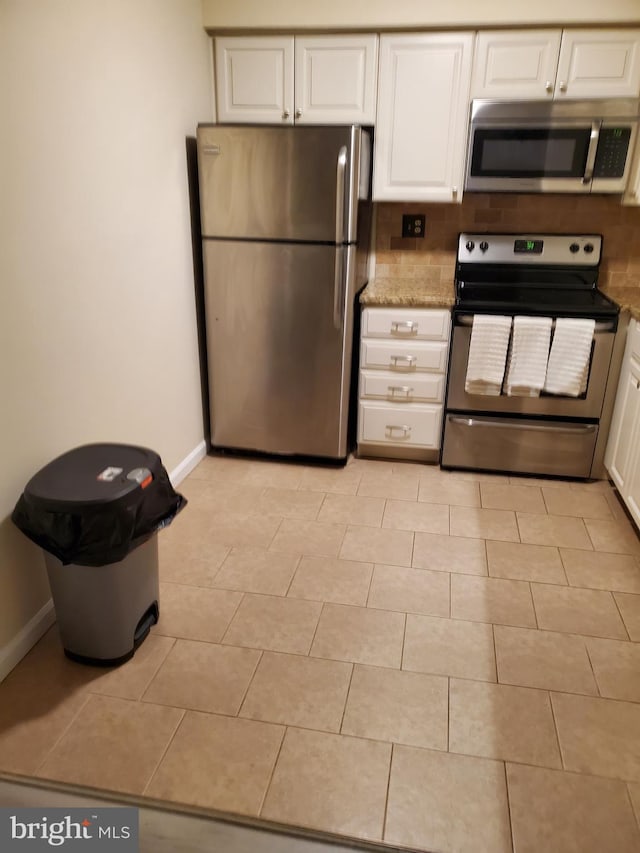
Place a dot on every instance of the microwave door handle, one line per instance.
(591, 153)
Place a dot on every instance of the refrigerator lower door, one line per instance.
(279, 323)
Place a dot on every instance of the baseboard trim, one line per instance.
(26, 638)
(184, 468)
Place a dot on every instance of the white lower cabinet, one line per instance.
(403, 363)
(622, 457)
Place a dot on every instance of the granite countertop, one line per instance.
(628, 298)
(413, 293)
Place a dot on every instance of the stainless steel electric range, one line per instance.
(527, 275)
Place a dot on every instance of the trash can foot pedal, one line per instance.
(143, 627)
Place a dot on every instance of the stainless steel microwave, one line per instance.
(551, 146)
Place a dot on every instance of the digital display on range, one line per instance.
(528, 247)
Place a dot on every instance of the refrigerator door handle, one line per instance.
(338, 289)
(341, 170)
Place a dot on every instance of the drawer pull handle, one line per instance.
(404, 327)
(403, 428)
(403, 360)
(398, 390)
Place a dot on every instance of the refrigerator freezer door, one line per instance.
(279, 335)
(281, 183)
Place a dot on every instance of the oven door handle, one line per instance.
(492, 422)
(605, 326)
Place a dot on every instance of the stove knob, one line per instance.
(588, 247)
(484, 246)
(470, 245)
(573, 248)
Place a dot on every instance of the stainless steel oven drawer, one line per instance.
(522, 446)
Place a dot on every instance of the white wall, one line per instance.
(427, 14)
(97, 313)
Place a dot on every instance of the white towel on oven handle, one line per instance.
(528, 356)
(569, 358)
(487, 354)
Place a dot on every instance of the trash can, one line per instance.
(96, 511)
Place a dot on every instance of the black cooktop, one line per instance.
(542, 300)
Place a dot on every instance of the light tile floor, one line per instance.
(389, 652)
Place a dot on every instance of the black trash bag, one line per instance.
(95, 504)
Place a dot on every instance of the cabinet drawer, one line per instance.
(415, 425)
(416, 323)
(386, 385)
(404, 356)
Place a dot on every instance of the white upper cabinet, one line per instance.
(254, 79)
(548, 64)
(599, 64)
(421, 126)
(520, 64)
(306, 80)
(335, 79)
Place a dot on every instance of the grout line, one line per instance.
(81, 707)
(495, 654)
(617, 606)
(518, 528)
(450, 594)
(636, 814)
(346, 698)
(593, 672)
(315, 631)
(164, 751)
(564, 570)
(273, 771)
(555, 726)
(533, 604)
(295, 572)
(174, 641)
(386, 799)
(404, 634)
(235, 613)
(370, 584)
(249, 683)
(506, 785)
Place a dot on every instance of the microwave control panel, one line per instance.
(611, 156)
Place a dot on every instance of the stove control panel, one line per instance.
(569, 249)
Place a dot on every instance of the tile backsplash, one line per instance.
(432, 258)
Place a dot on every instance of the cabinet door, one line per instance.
(335, 79)
(421, 128)
(254, 79)
(631, 494)
(626, 417)
(599, 64)
(515, 64)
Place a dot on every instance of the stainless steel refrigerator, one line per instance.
(285, 217)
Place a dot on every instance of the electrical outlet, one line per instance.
(413, 225)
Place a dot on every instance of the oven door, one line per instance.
(518, 445)
(587, 406)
